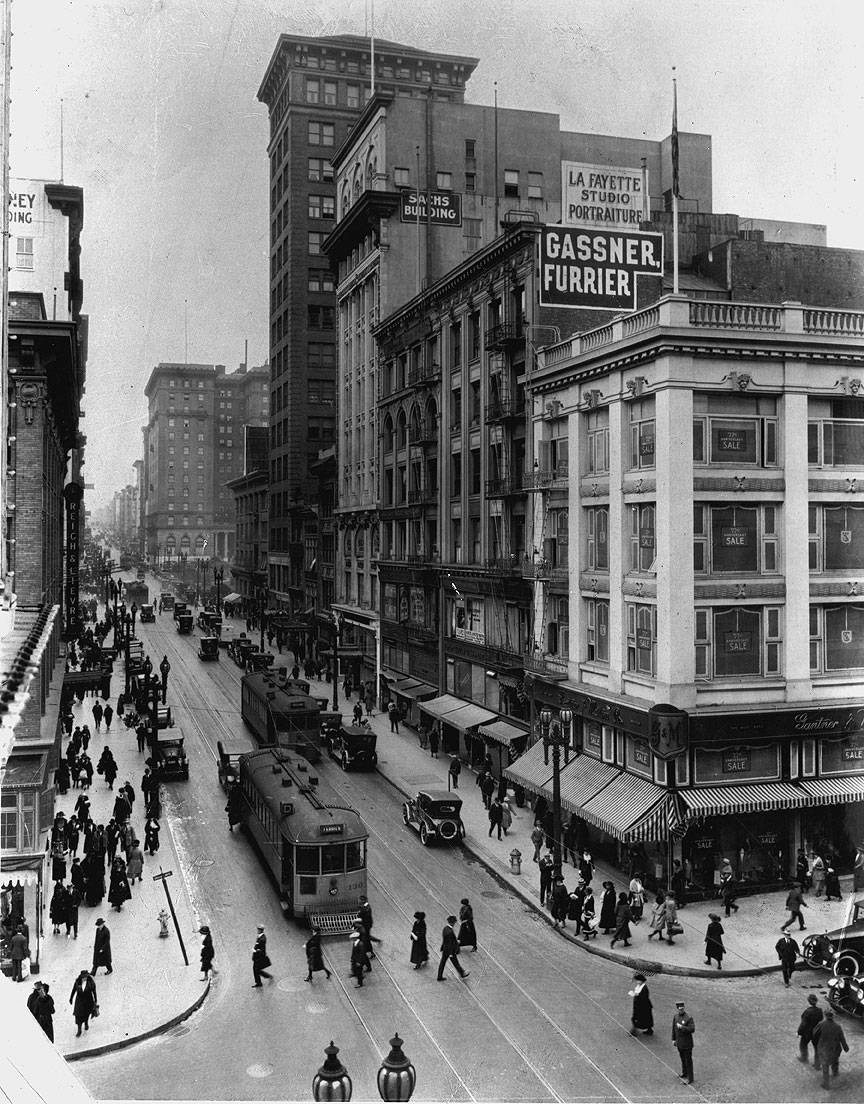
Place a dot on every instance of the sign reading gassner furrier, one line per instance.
(596, 269)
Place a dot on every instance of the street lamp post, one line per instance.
(556, 735)
(164, 668)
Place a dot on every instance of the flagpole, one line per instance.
(675, 183)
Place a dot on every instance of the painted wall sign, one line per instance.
(595, 269)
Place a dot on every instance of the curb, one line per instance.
(645, 964)
(132, 1039)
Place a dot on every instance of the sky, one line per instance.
(163, 130)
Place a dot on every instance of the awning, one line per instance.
(502, 732)
(834, 791)
(440, 706)
(530, 771)
(414, 689)
(232, 598)
(758, 798)
(622, 804)
(583, 778)
(469, 716)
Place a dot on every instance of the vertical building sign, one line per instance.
(72, 493)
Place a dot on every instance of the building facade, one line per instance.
(193, 447)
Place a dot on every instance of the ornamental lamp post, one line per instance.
(331, 1082)
(164, 668)
(397, 1078)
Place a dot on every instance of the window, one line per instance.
(330, 93)
(315, 238)
(470, 182)
(597, 630)
(641, 434)
(511, 183)
(313, 91)
(836, 535)
(598, 538)
(836, 638)
(729, 539)
(731, 429)
(24, 253)
(735, 642)
(320, 170)
(444, 181)
(642, 539)
(322, 207)
(535, 185)
(641, 638)
(598, 442)
(321, 134)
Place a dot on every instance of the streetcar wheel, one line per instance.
(424, 835)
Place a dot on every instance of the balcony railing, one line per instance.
(504, 334)
(550, 666)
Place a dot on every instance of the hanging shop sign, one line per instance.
(601, 195)
(595, 269)
(440, 208)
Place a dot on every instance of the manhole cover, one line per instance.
(491, 893)
(317, 1008)
(182, 1029)
(290, 985)
(260, 1069)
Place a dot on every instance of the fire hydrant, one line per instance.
(163, 924)
(515, 861)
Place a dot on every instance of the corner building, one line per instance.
(712, 649)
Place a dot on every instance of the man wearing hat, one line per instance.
(810, 1017)
(830, 1041)
(683, 1027)
(102, 948)
(642, 1018)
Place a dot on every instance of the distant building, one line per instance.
(193, 447)
(251, 501)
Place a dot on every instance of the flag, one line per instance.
(676, 190)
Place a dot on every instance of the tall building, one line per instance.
(193, 447)
(314, 89)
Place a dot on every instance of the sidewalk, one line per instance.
(150, 989)
(750, 934)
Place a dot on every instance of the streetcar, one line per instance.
(279, 713)
(313, 843)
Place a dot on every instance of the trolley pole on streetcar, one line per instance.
(163, 877)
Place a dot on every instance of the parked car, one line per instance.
(146, 613)
(256, 660)
(436, 815)
(172, 758)
(352, 746)
(208, 647)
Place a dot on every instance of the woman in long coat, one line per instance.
(84, 995)
(467, 931)
(658, 917)
(607, 908)
(57, 908)
(623, 916)
(714, 948)
(314, 956)
(419, 946)
(119, 890)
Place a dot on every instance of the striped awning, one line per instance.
(583, 778)
(834, 791)
(759, 798)
(530, 771)
(502, 732)
(622, 804)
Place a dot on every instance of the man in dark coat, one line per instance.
(787, 951)
(830, 1041)
(811, 1016)
(683, 1027)
(102, 948)
(450, 950)
(642, 1017)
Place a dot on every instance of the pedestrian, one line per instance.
(393, 714)
(817, 872)
(547, 865)
(19, 951)
(683, 1028)
(359, 956)
(364, 915)
(97, 714)
(102, 948)
(811, 1016)
(642, 1016)
(623, 916)
(714, 949)
(207, 952)
(454, 770)
(637, 898)
(487, 788)
(794, 903)
(607, 907)
(450, 950)
(672, 925)
(467, 931)
(559, 902)
(419, 946)
(57, 908)
(85, 1000)
(830, 1041)
(260, 958)
(44, 1010)
(787, 951)
(434, 741)
(730, 895)
(537, 838)
(832, 884)
(107, 716)
(73, 900)
(314, 955)
(495, 817)
(135, 866)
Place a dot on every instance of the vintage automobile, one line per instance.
(352, 746)
(436, 815)
(238, 649)
(256, 660)
(208, 647)
(229, 763)
(185, 623)
(146, 613)
(172, 758)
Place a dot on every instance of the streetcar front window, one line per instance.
(307, 860)
(333, 858)
(356, 855)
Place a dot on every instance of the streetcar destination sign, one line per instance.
(596, 269)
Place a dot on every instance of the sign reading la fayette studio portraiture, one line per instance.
(595, 269)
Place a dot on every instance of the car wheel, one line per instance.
(424, 835)
(405, 818)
